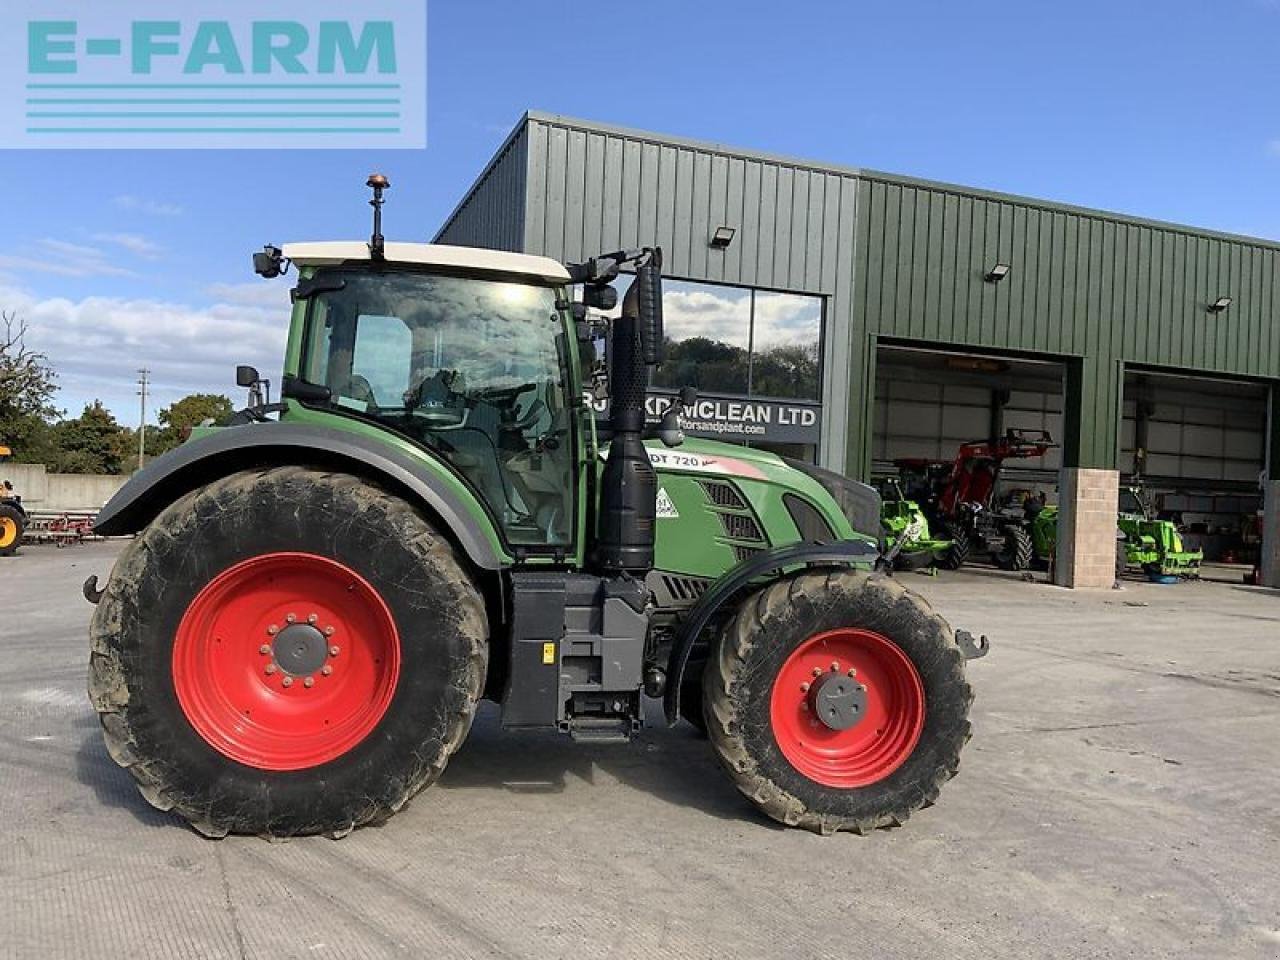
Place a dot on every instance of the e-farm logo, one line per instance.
(232, 74)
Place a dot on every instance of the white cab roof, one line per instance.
(429, 255)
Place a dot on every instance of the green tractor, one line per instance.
(1142, 542)
(906, 530)
(321, 592)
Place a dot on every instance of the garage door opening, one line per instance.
(929, 402)
(972, 439)
(1196, 448)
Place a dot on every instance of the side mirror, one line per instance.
(246, 376)
(600, 298)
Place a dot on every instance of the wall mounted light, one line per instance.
(997, 273)
(1220, 304)
(721, 239)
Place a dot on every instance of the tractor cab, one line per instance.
(470, 362)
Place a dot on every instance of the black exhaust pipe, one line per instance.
(628, 483)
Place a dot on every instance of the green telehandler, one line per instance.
(1143, 542)
(321, 591)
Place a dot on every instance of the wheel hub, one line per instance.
(838, 701)
(300, 649)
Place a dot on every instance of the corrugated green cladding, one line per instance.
(896, 259)
(492, 212)
(1097, 290)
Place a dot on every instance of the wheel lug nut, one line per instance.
(326, 670)
(328, 631)
(817, 671)
(291, 618)
(309, 682)
(287, 681)
(312, 618)
(835, 665)
(273, 630)
(853, 673)
(334, 650)
(271, 668)
(804, 688)
(265, 648)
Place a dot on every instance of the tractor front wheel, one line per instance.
(837, 701)
(1017, 552)
(286, 652)
(958, 553)
(12, 525)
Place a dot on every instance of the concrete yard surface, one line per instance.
(1118, 799)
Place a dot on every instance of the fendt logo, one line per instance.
(137, 75)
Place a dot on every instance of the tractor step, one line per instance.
(600, 729)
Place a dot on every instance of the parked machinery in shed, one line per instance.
(1143, 541)
(906, 529)
(13, 516)
(958, 497)
(298, 637)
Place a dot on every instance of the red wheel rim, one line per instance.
(286, 661)
(886, 725)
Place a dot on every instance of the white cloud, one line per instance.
(156, 208)
(97, 344)
(133, 242)
(65, 259)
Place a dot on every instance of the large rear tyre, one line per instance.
(837, 701)
(1017, 552)
(287, 652)
(958, 555)
(12, 525)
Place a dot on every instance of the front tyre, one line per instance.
(837, 701)
(12, 525)
(286, 652)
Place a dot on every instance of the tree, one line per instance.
(27, 388)
(178, 419)
(89, 443)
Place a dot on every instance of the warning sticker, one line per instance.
(666, 509)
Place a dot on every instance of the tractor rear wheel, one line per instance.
(837, 701)
(286, 652)
(958, 555)
(12, 525)
(1017, 552)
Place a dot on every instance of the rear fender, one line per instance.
(230, 450)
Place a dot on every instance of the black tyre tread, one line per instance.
(14, 514)
(958, 555)
(750, 627)
(1018, 550)
(109, 690)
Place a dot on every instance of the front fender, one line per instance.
(200, 461)
(841, 554)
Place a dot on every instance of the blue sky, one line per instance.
(1166, 110)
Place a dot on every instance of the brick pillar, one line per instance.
(1088, 500)
(1271, 534)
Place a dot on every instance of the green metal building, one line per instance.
(1149, 346)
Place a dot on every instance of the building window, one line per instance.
(754, 357)
(750, 343)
